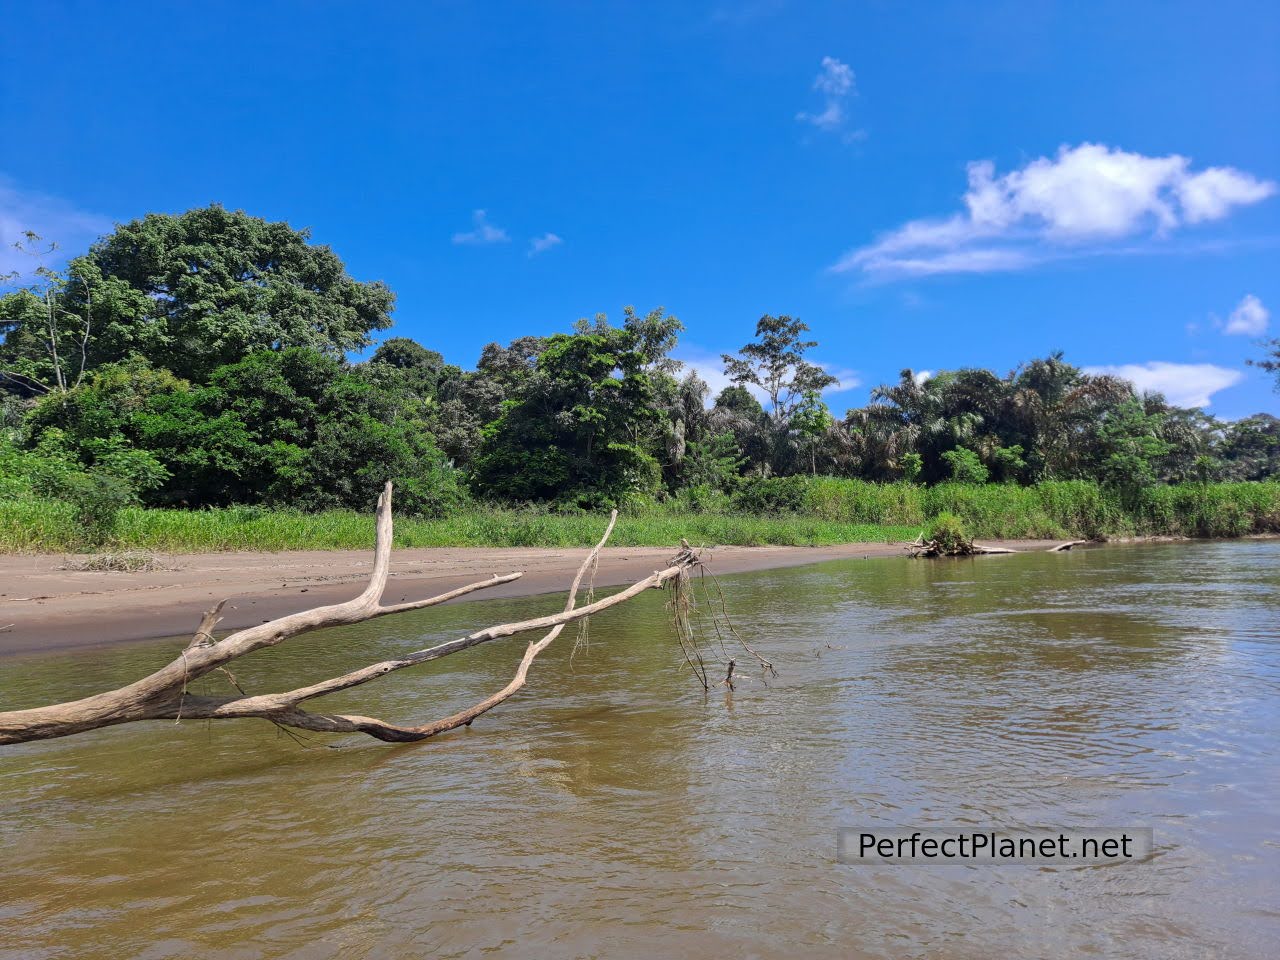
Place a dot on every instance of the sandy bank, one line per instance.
(43, 607)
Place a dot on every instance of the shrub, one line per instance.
(911, 463)
(965, 467)
(766, 495)
(95, 494)
(948, 535)
(701, 498)
(96, 499)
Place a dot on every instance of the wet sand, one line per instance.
(45, 607)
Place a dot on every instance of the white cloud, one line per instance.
(922, 375)
(1183, 384)
(543, 243)
(1073, 204)
(482, 232)
(836, 84)
(55, 220)
(706, 365)
(1249, 318)
(846, 379)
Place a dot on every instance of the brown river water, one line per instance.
(612, 811)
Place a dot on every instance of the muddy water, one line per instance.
(611, 812)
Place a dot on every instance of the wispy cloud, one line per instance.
(543, 243)
(846, 379)
(1080, 202)
(55, 220)
(835, 82)
(482, 232)
(1183, 384)
(1249, 318)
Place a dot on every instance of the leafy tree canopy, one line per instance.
(208, 287)
(573, 430)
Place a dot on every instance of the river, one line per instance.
(611, 810)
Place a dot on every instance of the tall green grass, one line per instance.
(1055, 509)
(791, 511)
(42, 526)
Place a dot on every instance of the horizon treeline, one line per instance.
(201, 360)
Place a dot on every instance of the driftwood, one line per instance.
(955, 546)
(920, 547)
(164, 695)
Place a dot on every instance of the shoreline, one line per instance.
(46, 609)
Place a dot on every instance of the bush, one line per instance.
(948, 535)
(700, 498)
(770, 495)
(96, 499)
(965, 467)
(912, 464)
(95, 494)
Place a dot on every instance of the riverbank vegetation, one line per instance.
(187, 384)
(805, 512)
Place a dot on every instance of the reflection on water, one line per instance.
(609, 811)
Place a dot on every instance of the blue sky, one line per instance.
(928, 185)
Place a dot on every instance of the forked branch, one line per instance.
(165, 694)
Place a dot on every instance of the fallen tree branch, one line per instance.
(164, 694)
(979, 548)
(1061, 547)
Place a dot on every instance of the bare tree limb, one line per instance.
(397, 733)
(164, 693)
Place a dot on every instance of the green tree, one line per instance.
(1251, 448)
(575, 430)
(408, 363)
(739, 400)
(811, 420)
(208, 287)
(775, 363)
(713, 463)
(656, 335)
(323, 436)
(44, 347)
(1131, 447)
(739, 414)
(289, 428)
